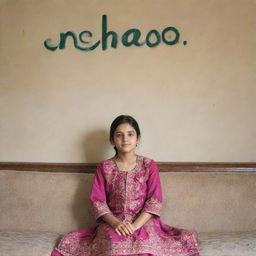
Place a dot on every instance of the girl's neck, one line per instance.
(126, 158)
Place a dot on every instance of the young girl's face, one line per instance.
(125, 138)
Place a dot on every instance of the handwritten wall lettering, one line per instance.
(132, 37)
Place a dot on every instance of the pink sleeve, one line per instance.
(98, 194)
(154, 200)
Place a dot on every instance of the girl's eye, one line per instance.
(119, 135)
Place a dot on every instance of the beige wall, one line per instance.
(193, 102)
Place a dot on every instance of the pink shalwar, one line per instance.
(126, 195)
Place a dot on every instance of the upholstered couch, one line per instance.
(38, 206)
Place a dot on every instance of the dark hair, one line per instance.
(123, 119)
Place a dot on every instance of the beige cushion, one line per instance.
(27, 243)
(228, 244)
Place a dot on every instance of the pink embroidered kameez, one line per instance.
(125, 195)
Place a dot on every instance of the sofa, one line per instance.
(40, 202)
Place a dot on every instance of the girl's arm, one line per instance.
(126, 228)
(141, 220)
(121, 228)
(111, 220)
(98, 194)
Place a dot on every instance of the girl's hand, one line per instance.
(124, 228)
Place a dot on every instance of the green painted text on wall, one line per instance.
(169, 36)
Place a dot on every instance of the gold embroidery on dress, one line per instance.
(153, 205)
(126, 198)
(99, 208)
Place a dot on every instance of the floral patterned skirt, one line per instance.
(153, 239)
(56, 253)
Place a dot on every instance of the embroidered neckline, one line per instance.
(132, 170)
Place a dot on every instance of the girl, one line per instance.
(126, 199)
